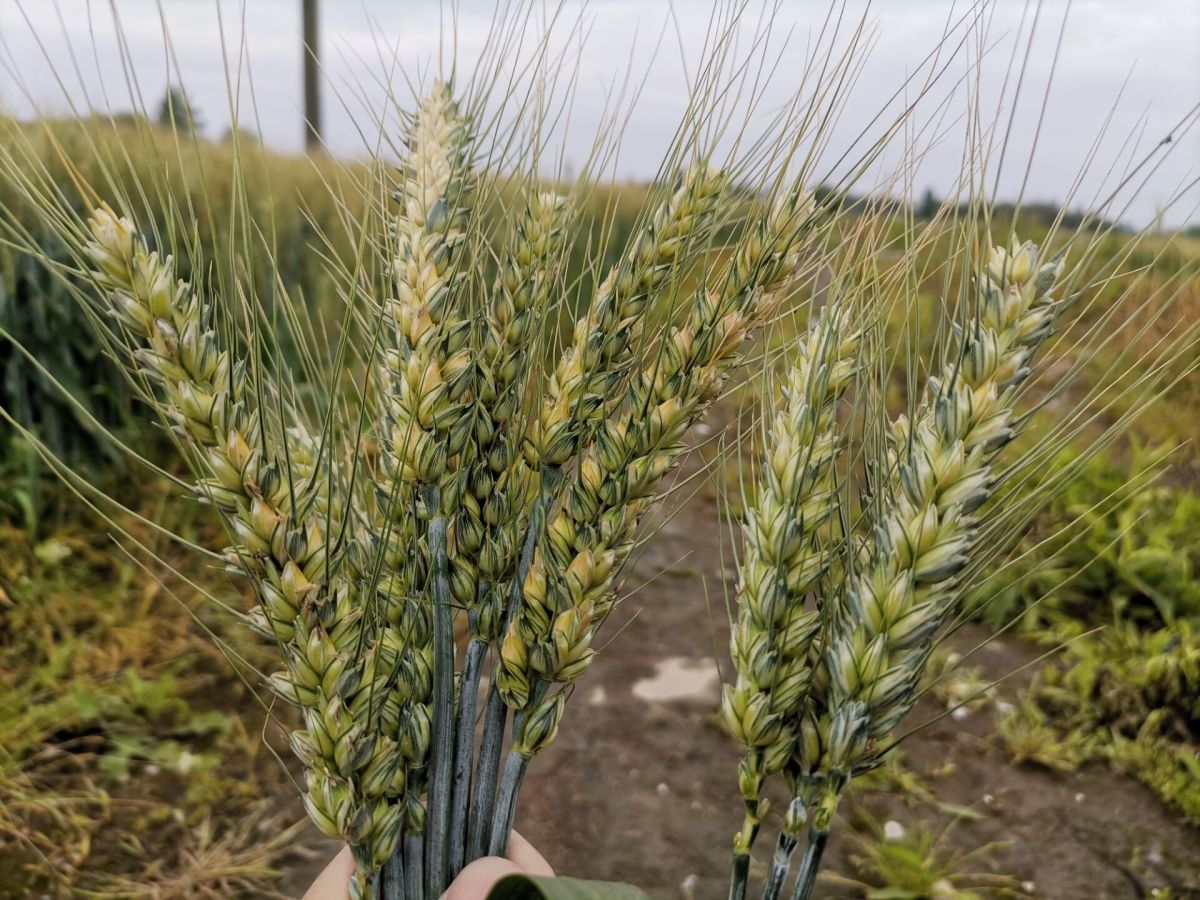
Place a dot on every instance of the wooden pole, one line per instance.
(312, 87)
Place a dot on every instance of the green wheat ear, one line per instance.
(819, 690)
(304, 605)
(942, 474)
(783, 558)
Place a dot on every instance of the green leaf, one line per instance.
(961, 812)
(529, 887)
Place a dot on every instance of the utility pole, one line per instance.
(312, 87)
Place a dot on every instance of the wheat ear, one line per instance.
(305, 606)
(579, 393)
(882, 635)
(782, 561)
(501, 486)
(427, 385)
(567, 593)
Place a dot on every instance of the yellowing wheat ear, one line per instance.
(428, 385)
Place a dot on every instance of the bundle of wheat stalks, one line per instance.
(509, 501)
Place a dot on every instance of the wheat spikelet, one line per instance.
(817, 691)
(905, 579)
(782, 561)
(304, 605)
(582, 389)
(489, 526)
(426, 377)
(490, 522)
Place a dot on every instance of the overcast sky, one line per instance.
(1144, 51)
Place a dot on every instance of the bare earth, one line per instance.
(640, 784)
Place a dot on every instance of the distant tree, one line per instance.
(176, 111)
(829, 197)
(930, 205)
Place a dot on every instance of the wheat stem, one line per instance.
(491, 744)
(780, 864)
(442, 749)
(506, 802)
(464, 751)
(413, 867)
(806, 879)
(739, 876)
(389, 883)
(487, 772)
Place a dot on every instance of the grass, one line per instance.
(920, 864)
(1124, 693)
(133, 761)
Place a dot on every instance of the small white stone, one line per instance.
(1004, 707)
(662, 789)
(1079, 797)
(989, 799)
(687, 887)
(703, 429)
(598, 696)
(953, 659)
(1028, 887)
(187, 762)
(960, 713)
(681, 678)
(894, 831)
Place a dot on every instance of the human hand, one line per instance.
(473, 883)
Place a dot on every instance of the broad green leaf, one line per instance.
(530, 887)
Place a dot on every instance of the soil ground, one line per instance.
(640, 784)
